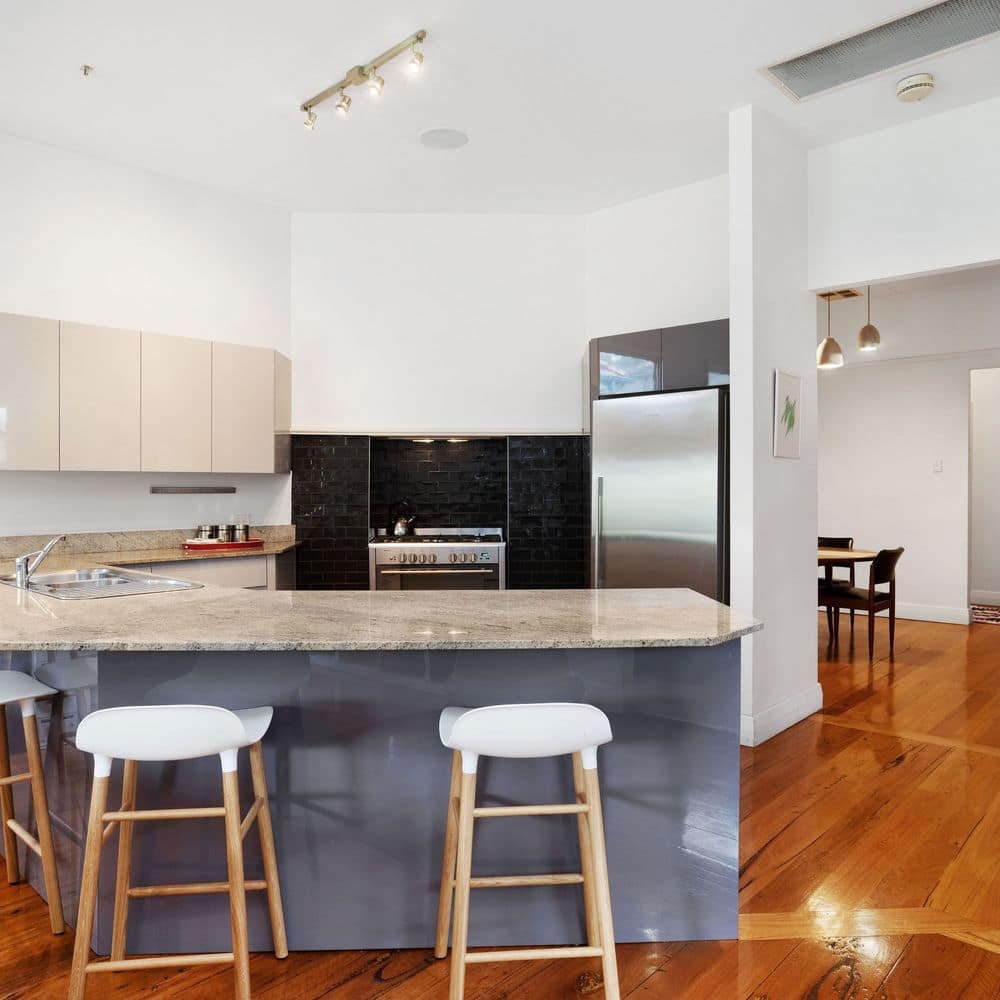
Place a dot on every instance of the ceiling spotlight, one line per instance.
(868, 336)
(310, 122)
(86, 70)
(366, 74)
(829, 353)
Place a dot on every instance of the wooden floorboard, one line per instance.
(870, 865)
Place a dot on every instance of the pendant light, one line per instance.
(829, 354)
(868, 336)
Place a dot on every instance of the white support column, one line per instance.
(772, 325)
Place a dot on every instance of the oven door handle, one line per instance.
(425, 572)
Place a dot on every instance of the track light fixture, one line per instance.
(365, 75)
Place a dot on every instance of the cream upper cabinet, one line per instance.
(176, 395)
(243, 408)
(99, 398)
(29, 393)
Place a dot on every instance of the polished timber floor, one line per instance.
(870, 865)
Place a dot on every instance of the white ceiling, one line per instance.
(570, 106)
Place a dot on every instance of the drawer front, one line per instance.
(234, 571)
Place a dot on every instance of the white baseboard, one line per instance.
(755, 729)
(990, 597)
(923, 613)
(933, 613)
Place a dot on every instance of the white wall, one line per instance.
(434, 323)
(883, 428)
(984, 507)
(773, 500)
(94, 242)
(58, 502)
(906, 200)
(659, 261)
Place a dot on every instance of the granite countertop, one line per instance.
(135, 548)
(218, 618)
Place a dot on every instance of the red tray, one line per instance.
(205, 545)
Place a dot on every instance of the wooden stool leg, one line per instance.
(123, 880)
(237, 888)
(602, 886)
(448, 861)
(40, 804)
(7, 804)
(266, 833)
(463, 873)
(586, 857)
(88, 889)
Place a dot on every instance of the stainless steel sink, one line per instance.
(101, 581)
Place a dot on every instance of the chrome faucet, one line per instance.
(24, 565)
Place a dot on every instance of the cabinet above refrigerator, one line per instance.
(679, 357)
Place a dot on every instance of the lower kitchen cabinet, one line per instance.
(270, 572)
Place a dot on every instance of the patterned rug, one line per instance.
(985, 614)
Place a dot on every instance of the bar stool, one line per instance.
(544, 730)
(23, 688)
(172, 733)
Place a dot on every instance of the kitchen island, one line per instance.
(359, 780)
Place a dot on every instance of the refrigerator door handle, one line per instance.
(599, 532)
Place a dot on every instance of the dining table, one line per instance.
(829, 558)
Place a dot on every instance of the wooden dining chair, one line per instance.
(838, 596)
(837, 542)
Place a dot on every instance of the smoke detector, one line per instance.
(915, 87)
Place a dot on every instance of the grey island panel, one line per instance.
(359, 784)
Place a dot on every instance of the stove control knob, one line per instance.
(413, 557)
(452, 557)
(433, 557)
(423, 557)
(473, 557)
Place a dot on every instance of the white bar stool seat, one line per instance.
(164, 733)
(24, 689)
(524, 731)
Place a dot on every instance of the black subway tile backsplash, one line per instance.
(451, 484)
(548, 544)
(536, 488)
(330, 511)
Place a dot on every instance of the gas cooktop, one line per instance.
(442, 536)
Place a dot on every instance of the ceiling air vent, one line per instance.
(934, 29)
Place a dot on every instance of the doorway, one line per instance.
(984, 495)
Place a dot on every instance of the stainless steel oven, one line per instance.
(439, 559)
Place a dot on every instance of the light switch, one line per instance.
(939, 465)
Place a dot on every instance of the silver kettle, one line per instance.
(402, 519)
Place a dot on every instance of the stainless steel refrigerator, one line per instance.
(660, 503)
